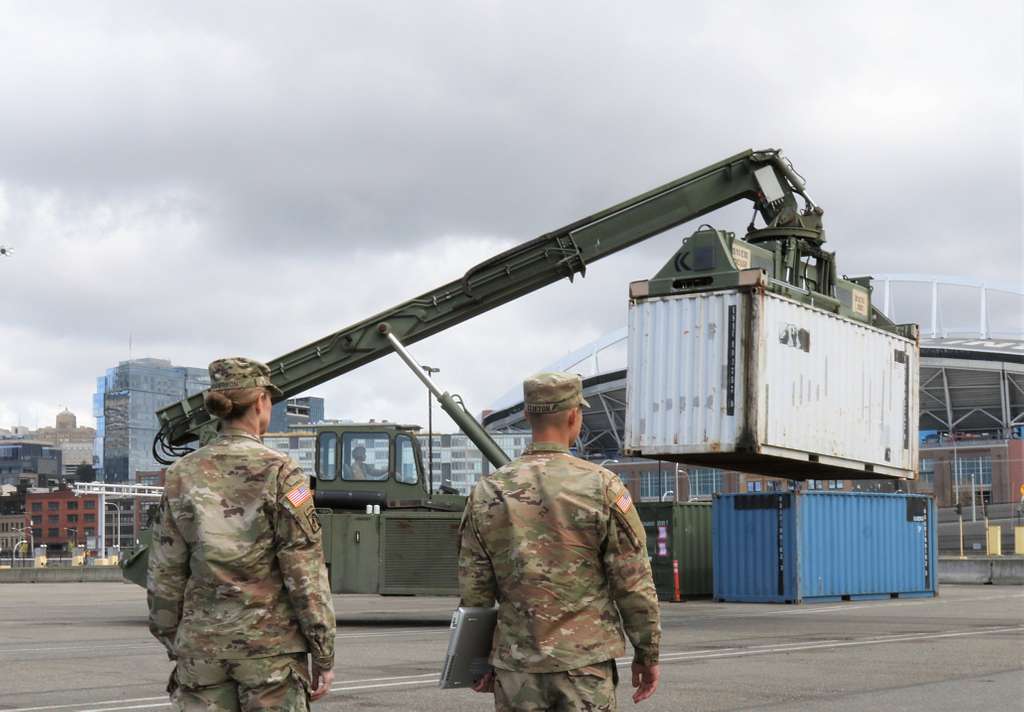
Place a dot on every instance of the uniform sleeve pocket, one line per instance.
(309, 521)
(629, 524)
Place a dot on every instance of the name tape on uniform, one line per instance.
(299, 495)
(624, 502)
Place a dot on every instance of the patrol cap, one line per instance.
(552, 392)
(228, 374)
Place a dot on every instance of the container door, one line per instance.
(691, 548)
(658, 525)
(687, 374)
(754, 548)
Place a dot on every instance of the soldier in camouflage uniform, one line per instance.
(557, 542)
(238, 591)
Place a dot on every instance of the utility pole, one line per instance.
(117, 529)
(974, 505)
(959, 507)
(430, 371)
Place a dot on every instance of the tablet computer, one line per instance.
(469, 646)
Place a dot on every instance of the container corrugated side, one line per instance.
(686, 527)
(747, 379)
(823, 546)
(866, 544)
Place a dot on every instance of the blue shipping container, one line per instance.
(823, 546)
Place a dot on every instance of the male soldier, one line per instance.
(359, 469)
(238, 590)
(558, 543)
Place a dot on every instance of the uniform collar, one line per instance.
(238, 433)
(546, 447)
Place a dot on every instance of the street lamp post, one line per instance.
(430, 371)
(75, 530)
(27, 532)
(14, 551)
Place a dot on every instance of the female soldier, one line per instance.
(238, 592)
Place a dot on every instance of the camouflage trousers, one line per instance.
(589, 689)
(279, 683)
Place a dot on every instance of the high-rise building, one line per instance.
(295, 412)
(457, 461)
(125, 404)
(296, 444)
(30, 460)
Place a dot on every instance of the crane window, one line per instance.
(364, 456)
(405, 460)
(327, 464)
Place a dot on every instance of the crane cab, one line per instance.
(359, 464)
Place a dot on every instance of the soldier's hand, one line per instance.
(485, 683)
(645, 680)
(322, 680)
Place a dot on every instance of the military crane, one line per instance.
(792, 237)
(384, 552)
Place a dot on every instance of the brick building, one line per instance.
(60, 520)
(993, 469)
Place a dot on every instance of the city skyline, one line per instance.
(214, 188)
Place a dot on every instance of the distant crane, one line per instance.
(6, 250)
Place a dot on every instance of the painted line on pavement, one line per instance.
(796, 647)
(681, 656)
(164, 697)
(892, 604)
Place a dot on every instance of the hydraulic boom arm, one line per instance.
(763, 177)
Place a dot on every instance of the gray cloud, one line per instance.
(245, 177)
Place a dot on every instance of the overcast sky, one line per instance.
(242, 178)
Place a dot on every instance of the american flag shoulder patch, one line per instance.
(299, 495)
(624, 502)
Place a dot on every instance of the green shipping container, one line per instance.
(679, 546)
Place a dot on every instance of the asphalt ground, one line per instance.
(76, 647)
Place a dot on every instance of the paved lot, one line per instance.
(74, 647)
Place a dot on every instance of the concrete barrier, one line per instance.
(61, 574)
(1008, 571)
(982, 570)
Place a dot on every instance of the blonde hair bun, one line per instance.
(218, 403)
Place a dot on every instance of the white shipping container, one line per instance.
(748, 380)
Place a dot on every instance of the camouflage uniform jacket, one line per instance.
(558, 543)
(236, 568)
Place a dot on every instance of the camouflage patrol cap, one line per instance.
(552, 392)
(228, 374)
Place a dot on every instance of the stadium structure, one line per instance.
(971, 393)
